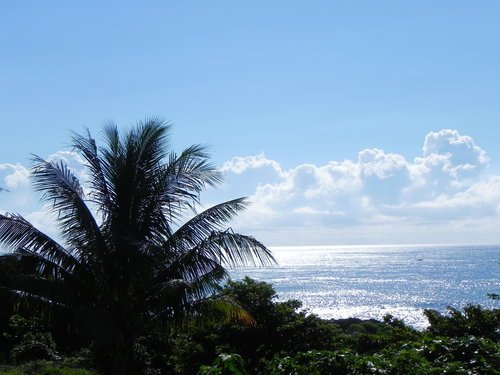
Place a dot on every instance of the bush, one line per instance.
(312, 363)
(225, 364)
(34, 346)
(66, 371)
(287, 340)
(43, 368)
(467, 354)
(280, 326)
(474, 320)
(10, 372)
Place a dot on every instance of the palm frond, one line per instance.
(227, 308)
(31, 274)
(151, 144)
(166, 193)
(194, 163)
(27, 303)
(233, 249)
(188, 174)
(29, 263)
(212, 310)
(204, 284)
(63, 190)
(36, 284)
(111, 158)
(17, 233)
(87, 147)
(148, 150)
(200, 227)
(51, 292)
(191, 266)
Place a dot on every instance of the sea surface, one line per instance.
(372, 281)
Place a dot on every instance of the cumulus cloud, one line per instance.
(455, 157)
(380, 190)
(239, 165)
(15, 178)
(384, 175)
(461, 149)
(14, 175)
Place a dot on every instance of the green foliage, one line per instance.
(280, 326)
(187, 354)
(29, 340)
(458, 358)
(34, 346)
(287, 340)
(65, 371)
(10, 372)
(6, 311)
(368, 337)
(19, 326)
(467, 353)
(42, 368)
(474, 320)
(225, 364)
(311, 363)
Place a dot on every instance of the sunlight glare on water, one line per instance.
(372, 281)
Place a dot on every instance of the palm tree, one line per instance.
(133, 250)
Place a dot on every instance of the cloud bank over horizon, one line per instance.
(443, 196)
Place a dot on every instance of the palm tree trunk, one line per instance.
(121, 354)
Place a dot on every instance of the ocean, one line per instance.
(372, 281)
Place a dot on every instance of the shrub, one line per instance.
(474, 320)
(34, 346)
(42, 368)
(225, 364)
(312, 363)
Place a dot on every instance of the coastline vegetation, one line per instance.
(284, 339)
(140, 285)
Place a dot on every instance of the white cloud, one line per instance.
(461, 148)
(384, 175)
(455, 155)
(480, 200)
(239, 165)
(381, 195)
(14, 175)
(375, 162)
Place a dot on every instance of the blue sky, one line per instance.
(303, 93)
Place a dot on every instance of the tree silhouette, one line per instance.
(132, 248)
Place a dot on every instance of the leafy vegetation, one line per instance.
(43, 368)
(287, 340)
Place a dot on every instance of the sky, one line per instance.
(344, 122)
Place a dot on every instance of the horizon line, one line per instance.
(381, 245)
